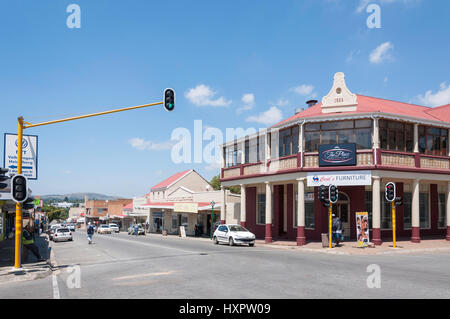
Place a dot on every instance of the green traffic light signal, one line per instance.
(169, 99)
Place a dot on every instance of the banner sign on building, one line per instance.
(337, 155)
(29, 154)
(362, 229)
(185, 207)
(344, 178)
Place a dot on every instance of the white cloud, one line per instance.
(271, 116)
(381, 53)
(304, 89)
(249, 102)
(142, 145)
(202, 95)
(441, 97)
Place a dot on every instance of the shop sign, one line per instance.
(362, 229)
(344, 178)
(337, 155)
(185, 207)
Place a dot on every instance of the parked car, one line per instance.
(62, 234)
(233, 235)
(71, 227)
(114, 228)
(104, 229)
(51, 230)
(141, 230)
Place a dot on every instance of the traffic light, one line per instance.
(3, 177)
(19, 190)
(169, 99)
(333, 193)
(390, 192)
(323, 195)
(29, 203)
(398, 201)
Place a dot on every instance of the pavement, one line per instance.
(31, 269)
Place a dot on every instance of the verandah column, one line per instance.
(243, 209)
(268, 237)
(376, 211)
(223, 207)
(447, 213)
(301, 238)
(415, 218)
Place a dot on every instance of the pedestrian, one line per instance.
(90, 232)
(28, 242)
(136, 228)
(337, 228)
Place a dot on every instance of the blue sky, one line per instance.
(229, 62)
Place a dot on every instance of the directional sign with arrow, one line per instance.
(29, 155)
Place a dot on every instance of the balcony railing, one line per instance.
(365, 160)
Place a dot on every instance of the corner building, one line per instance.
(358, 143)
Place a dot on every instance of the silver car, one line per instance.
(62, 234)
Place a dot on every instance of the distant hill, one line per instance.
(77, 197)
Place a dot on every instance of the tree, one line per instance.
(215, 183)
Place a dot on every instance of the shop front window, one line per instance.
(442, 221)
(407, 198)
(261, 206)
(424, 212)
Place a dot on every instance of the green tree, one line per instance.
(215, 183)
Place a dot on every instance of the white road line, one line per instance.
(55, 287)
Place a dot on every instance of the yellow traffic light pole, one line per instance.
(393, 225)
(21, 127)
(329, 225)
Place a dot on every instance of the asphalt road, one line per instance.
(122, 266)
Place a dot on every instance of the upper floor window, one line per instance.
(433, 140)
(288, 141)
(340, 132)
(396, 136)
(232, 155)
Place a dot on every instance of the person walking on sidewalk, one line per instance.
(337, 227)
(28, 243)
(90, 232)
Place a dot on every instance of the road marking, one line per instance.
(55, 287)
(144, 275)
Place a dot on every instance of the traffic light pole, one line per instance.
(21, 127)
(18, 240)
(393, 225)
(330, 221)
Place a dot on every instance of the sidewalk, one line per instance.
(31, 269)
(404, 246)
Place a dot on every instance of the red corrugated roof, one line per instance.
(367, 104)
(170, 204)
(167, 182)
(130, 205)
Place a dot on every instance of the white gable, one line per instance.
(339, 99)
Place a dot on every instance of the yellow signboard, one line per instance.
(185, 208)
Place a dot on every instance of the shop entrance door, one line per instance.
(342, 210)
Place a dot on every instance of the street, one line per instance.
(123, 266)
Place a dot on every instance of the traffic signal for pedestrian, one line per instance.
(333, 193)
(169, 99)
(19, 190)
(390, 192)
(3, 177)
(398, 201)
(29, 203)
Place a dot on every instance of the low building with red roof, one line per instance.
(183, 199)
(359, 144)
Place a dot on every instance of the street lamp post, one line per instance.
(212, 218)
